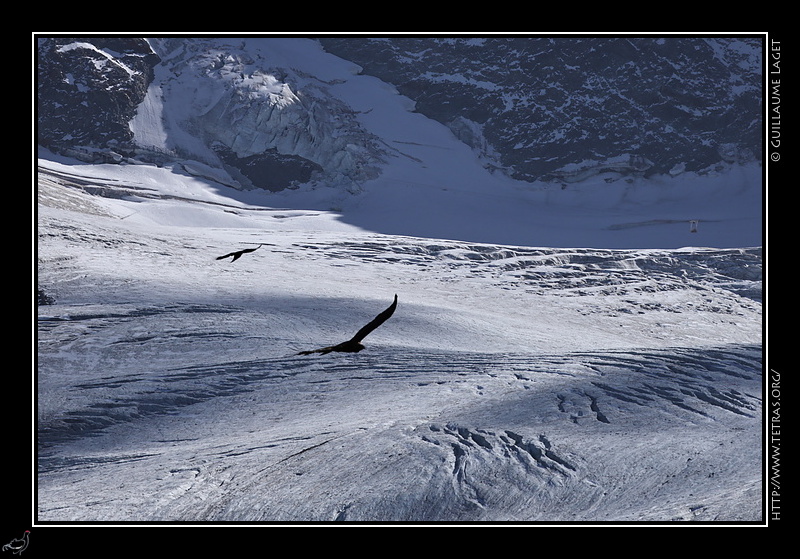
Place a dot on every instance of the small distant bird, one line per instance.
(236, 255)
(354, 345)
(18, 545)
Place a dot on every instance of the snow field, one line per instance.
(514, 383)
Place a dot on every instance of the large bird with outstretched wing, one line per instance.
(354, 345)
(238, 254)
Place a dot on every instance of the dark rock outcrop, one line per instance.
(538, 107)
(88, 90)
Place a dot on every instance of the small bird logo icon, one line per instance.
(18, 545)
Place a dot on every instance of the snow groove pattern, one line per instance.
(687, 380)
(574, 272)
(476, 458)
(495, 431)
(529, 453)
(600, 386)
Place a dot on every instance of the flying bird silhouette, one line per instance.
(353, 345)
(237, 254)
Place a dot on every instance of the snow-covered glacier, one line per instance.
(216, 98)
(583, 351)
(285, 115)
(513, 384)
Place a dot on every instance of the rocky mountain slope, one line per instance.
(566, 107)
(550, 109)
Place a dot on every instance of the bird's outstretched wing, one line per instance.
(237, 254)
(377, 321)
(234, 254)
(353, 345)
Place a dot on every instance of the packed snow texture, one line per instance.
(512, 384)
(556, 355)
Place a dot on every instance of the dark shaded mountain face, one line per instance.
(544, 108)
(88, 91)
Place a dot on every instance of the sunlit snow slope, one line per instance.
(412, 175)
(513, 383)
